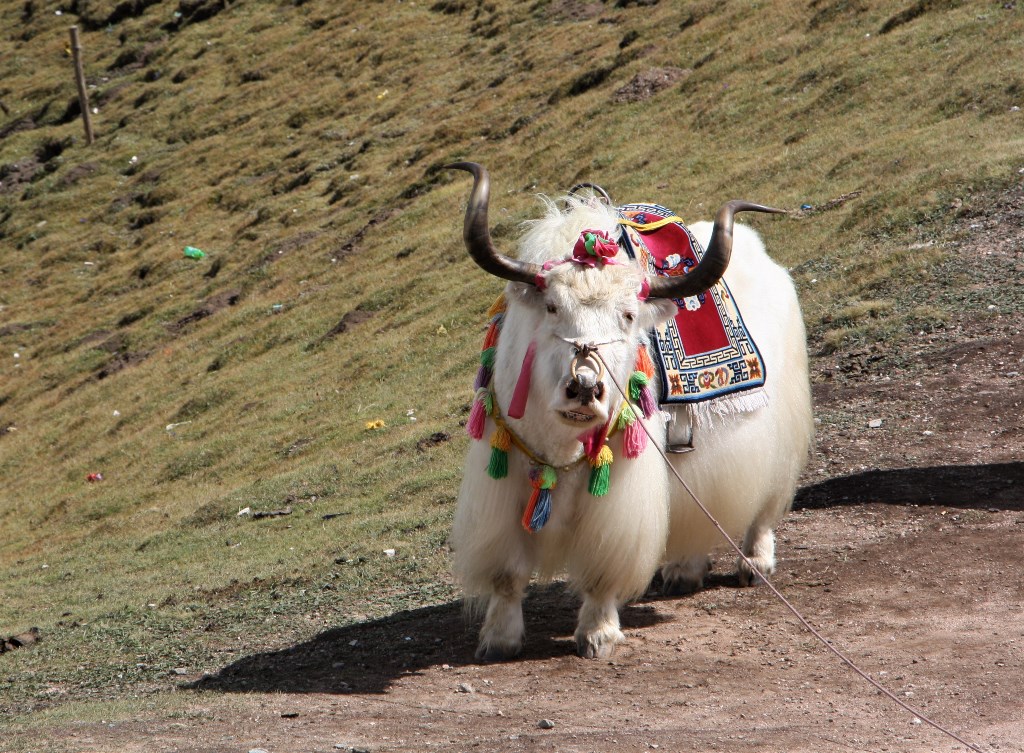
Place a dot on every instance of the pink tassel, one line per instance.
(634, 440)
(475, 425)
(517, 407)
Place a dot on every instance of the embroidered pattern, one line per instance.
(704, 353)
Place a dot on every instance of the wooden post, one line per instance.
(83, 94)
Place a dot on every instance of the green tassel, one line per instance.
(487, 358)
(601, 472)
(548, 477)
(626, 417)
(637, 381)
(500, 442)
(600, 480)
(498, 467)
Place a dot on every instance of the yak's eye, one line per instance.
(629, 316)
(552, 309)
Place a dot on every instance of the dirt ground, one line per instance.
(904, 548)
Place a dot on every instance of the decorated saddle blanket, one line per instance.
(705, 355)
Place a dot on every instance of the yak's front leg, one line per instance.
(501, 637)
(597, 630)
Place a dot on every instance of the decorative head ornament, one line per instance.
(592, 248)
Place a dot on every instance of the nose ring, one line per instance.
(587, 354)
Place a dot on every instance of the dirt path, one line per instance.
(904, 547)
(928, 598)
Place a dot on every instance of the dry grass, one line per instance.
(299, 145)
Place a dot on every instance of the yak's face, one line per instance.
(589, 324)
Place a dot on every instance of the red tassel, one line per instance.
(530, 507)
(593, 441)
(491, 338)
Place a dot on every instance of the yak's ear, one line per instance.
(523, 293)
(656, 311)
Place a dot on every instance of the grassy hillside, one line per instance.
(299, 145)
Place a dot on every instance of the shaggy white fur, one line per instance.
(744, 468)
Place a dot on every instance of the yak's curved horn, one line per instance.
(716, 258)
(477, 234)
(595, 188)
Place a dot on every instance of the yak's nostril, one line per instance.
(586, 394)
(572, 389)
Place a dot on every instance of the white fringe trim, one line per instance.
(706, 412)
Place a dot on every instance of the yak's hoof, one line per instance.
(598, 645)
(746, 577)
(681, 586)
(590, 650)
(685, 577)
(491, 652)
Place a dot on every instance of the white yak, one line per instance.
(533, 500)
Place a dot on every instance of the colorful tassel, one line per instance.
(648, 404)
(477, 416)
(483, 377)
(601, 472)
(487, 357)
(626, 417)
(497, 307)
(517, 407)
(640, 393)
(644, 362)
(491, 338)
(538, 509)
(501, 440)
(634, 438)
(637, 381)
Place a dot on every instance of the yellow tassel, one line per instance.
(497, 307)
(501, 439)
(604, 457)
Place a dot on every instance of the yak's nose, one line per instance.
(585, 388)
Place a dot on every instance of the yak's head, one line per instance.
(585, 314)
(588, 306)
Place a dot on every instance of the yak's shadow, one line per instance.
(997, 486)
(368, 657)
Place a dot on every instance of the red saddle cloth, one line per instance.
(705, 352)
